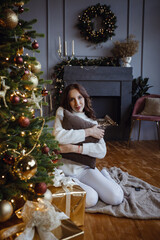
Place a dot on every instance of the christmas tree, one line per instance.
(28, 151)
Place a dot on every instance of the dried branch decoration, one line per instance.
(127, 48)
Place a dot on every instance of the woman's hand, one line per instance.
(95, 132)
(68, 148)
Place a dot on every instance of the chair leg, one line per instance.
(132, 125)
(157, 123)
(139, 129)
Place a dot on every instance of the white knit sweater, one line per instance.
(97, 150)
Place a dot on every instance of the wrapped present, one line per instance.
(39, 221)
(68, 197)
(71, 201)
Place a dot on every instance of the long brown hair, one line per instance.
(65, 102)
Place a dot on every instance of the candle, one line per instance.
(72, 47)
(51, 107)
(60, 45)
(65, 48)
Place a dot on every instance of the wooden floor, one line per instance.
(142, 160)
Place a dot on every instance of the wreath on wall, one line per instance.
(102, 16)
(58, 71)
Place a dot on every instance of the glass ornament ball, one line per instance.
(35, 45)
(19, 60)
(6, 210)
(15, 99)
(45, 150)
(23, 121)
(40, 188)
(32, 79)
(26, 167)
(20, 9)
(10, 18)
(36, 67)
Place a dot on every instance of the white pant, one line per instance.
(99, 184)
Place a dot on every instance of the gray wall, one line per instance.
(138, 17)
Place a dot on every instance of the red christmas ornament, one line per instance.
(45, 150)
(40, 188)
(15, 99)
(23, 121)
(8, 158)
(19, 60)
(44, 92)
(55, 161)
(20, 9)
(35, 45)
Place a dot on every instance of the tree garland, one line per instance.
(86, 24)
(58, 81)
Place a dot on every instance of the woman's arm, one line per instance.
(97, 150)
(66, 136)
(73, 136)
(95, 132)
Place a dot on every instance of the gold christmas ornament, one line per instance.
(27, 167)
(48, 196)
(36, 67)
(10, 19)
(6, 210)
(32, 79)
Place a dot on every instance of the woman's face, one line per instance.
(76, 100)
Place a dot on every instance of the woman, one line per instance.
(96, 184)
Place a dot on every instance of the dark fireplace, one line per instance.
(105, 105)
(110, 90)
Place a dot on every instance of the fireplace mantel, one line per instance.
(101, 81)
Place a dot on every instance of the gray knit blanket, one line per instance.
(141, 200)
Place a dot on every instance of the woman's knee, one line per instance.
(114, 197)
(91, 198)
(117, 196)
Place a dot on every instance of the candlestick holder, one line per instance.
(65, 57)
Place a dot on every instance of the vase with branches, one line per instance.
(124, 50)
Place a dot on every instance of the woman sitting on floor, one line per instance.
(96, 184)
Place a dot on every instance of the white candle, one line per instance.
(51, 107)
(72, 47)
(65, 48)
(60, 47)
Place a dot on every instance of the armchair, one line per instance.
(139, 113)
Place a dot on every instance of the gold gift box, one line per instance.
(71, 201)
(67, 230)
